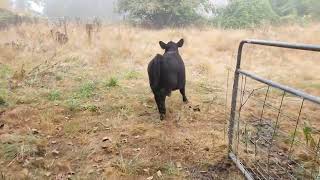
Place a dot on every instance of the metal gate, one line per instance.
(261, 147)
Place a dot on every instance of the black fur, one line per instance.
(166, 74)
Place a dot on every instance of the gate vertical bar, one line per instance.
(234, 97)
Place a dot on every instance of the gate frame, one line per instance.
(238, 72)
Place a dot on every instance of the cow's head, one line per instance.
(171, 46)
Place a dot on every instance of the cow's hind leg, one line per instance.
(162, 108)
(183, 93)
(157, 99)
(161, 104)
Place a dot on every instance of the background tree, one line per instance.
(245, 14)
(297, 8)
(161, 13)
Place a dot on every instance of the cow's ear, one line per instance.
(163, 45)
(180, 43)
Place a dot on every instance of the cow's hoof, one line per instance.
(162, 117)
(186, 101)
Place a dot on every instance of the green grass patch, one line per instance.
(112, 82)
(309, 85)
(315, 85)
(2, 101)
(86, 90)
(72, 127)
(73, 104)
(54, 95)
(59, 77)
(128, 167)
(5, 71)
(71, 59)
(132, 75)
(77, 100)
(3, 96)
(16, 145)
(9, 151)
(170, 169)
(91, 108)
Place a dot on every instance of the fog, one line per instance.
(159, 14)
(105, 9)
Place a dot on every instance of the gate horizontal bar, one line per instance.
(293, 91)
(306, 47)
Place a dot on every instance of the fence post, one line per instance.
(65, 26)
(234, 97)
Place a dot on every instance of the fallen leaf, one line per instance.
(179, 165)
(35, 131)
(98, 159)
(95, 129)
(106, 139)
(124, 141)
(150, 178)
(159, 174)
(55, 152)
(176, 148)
(124, 134)
(48, 174)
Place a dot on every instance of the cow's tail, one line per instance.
(154, 72)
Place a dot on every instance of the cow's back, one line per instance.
(172, 71)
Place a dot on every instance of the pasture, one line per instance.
(84, 109)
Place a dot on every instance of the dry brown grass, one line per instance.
(66, 94)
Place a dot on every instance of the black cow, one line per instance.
(167, 73)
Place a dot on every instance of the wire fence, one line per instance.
(273, 132)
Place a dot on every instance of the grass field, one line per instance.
(82, 110)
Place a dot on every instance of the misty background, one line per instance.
(232, 14)
(105, 9)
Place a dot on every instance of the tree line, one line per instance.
(237, 14)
